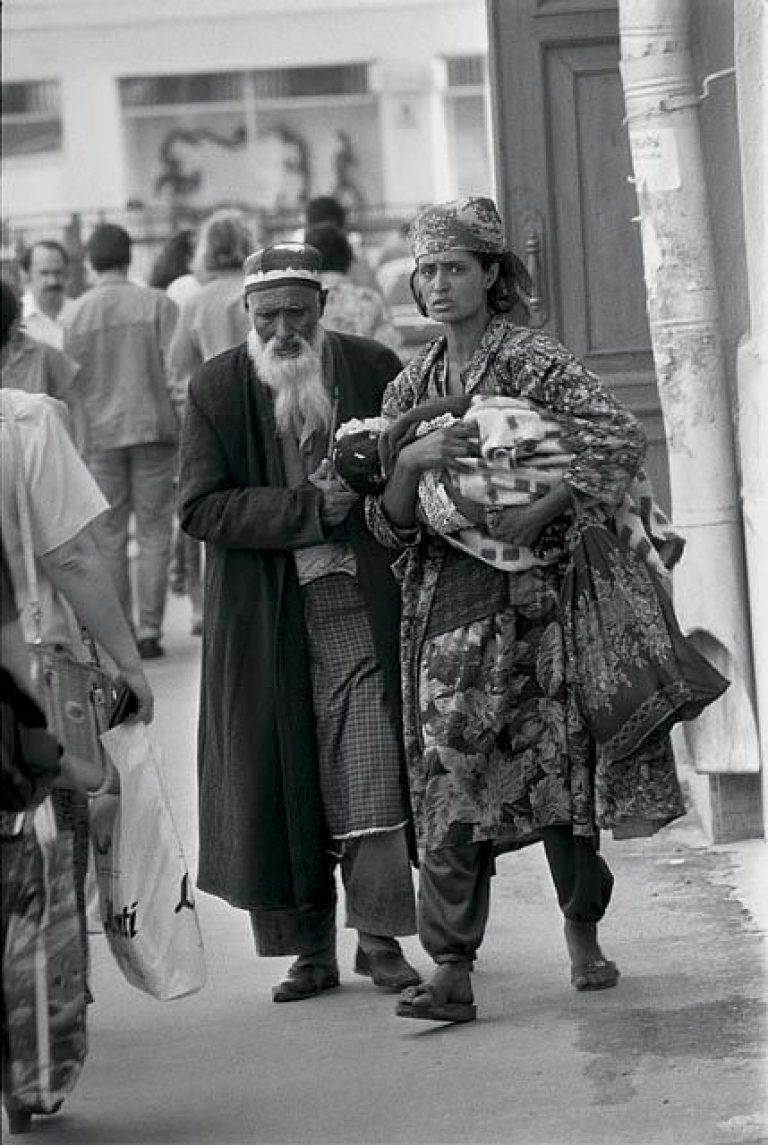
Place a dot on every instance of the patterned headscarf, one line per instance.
(471, 223)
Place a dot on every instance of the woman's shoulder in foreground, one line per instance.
(525, 340)
(425, 357)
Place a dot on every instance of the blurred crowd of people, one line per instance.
(120, 357)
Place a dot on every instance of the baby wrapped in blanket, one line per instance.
(523, 454)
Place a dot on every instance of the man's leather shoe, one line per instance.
(388, 969)
(305, 980)
(150, 648)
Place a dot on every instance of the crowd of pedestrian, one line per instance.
(376, 696)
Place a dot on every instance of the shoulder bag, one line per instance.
(76, 696)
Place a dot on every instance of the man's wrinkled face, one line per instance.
(47, 277)
(285, 347)
(285, 318)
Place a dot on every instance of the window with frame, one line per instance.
(466, 90)
(31, 118)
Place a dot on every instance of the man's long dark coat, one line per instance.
(263, 839)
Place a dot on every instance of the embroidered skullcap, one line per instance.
(471, 223)
(281, 265)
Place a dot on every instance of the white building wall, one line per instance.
(405, 109)
(88, 44)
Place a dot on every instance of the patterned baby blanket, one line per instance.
(523, 454)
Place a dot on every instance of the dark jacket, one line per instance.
(263, 838)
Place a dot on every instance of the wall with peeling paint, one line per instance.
(712, 38)
(683, 117)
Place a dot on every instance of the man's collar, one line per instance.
(30, 309)
(28, 305)
(111, 278)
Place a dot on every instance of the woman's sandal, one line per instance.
(590, 969)
(431, 1003)
(597, 974)
(20, 1118)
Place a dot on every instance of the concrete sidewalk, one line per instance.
(674, 1056)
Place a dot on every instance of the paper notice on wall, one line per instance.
(655, 158)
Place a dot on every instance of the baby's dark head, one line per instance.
(356, 455)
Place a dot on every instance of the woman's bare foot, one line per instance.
(590, 969)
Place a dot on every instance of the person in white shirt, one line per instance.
(45, 304)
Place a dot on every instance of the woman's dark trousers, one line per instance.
(455, 885)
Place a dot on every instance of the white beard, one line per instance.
(302, 403)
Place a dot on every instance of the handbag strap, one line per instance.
(34, 606)
(42, 820)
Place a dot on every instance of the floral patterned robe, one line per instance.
(495, 745)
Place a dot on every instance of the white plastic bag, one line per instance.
(145, 891)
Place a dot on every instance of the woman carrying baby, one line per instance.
(498, 753)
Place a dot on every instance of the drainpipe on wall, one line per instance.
(710, 583)
(751, 41)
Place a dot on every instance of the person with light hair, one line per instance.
(213, 318)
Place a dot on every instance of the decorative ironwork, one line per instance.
(31, 117)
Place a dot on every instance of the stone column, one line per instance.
(683, 310)
(751, 48)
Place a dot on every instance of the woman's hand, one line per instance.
(473, 511)
(518, 525)
(139, 685)
(441, 448)
(522, 524)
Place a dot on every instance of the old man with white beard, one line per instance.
(300, 762)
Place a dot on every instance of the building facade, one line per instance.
(152, 106)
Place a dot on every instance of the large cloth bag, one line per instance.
(634, 673)
(43, 971)
(146, 902)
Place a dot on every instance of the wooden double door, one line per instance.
(563, 173)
